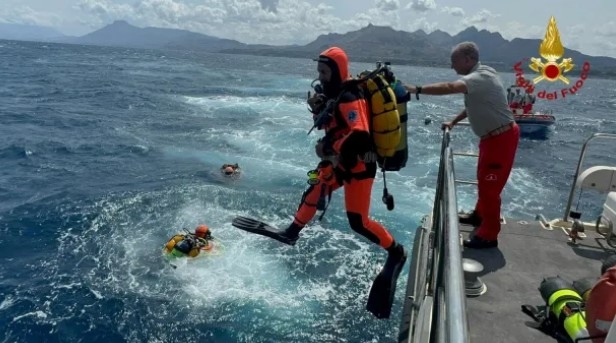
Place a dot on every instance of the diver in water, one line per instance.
(230, 170)
(190, 244)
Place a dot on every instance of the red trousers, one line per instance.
(496, 155)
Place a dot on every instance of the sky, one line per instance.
(588, 26)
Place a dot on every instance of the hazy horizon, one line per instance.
(286, 22)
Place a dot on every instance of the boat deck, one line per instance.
(527, 253)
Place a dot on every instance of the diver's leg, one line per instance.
(357, 202)
(308, 207)
(357, 194)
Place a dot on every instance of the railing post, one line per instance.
(579, 166)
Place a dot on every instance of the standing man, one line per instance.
(517, 101)
(486, 108)
(527, 104)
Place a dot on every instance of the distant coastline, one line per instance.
(369, 44)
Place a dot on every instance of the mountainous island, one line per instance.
(368, 44)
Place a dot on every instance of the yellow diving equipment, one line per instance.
(385, 125)
(565, 306)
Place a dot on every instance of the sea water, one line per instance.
(108, 152)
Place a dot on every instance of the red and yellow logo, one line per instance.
(551, 49)
(550, 68)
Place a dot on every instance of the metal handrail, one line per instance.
(436, 306)
(454, 276)
(447, 281)
(470, 154)
(579, 166)
(468, 182)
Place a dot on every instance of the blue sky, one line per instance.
(587, 26)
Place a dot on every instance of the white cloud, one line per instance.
(479, 18)
(515, 29)
(454, 11)
(421, 23)
(283, 22)
(606, 30)
(249, 21)
(421, 5)
(234, 19)
(592, 40)
(28, 16)
(101, 12)
(374, 17)
(269, 5)
(387, 5)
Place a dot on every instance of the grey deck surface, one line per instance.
(512, 272)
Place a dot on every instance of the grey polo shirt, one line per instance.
(485, 100)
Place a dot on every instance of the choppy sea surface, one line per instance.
(107, 152)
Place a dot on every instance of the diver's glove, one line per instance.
(316, 103)
(325, 115)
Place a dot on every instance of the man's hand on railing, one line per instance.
(447, 124)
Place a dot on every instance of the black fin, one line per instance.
(261, 228)
(383, 289)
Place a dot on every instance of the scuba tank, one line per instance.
(398, 160)
(564, 306)
(194, 252)
(172, 242)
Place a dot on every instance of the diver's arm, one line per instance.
(352, 112)
(355, 143)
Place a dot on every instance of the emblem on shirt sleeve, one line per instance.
(352, 116)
